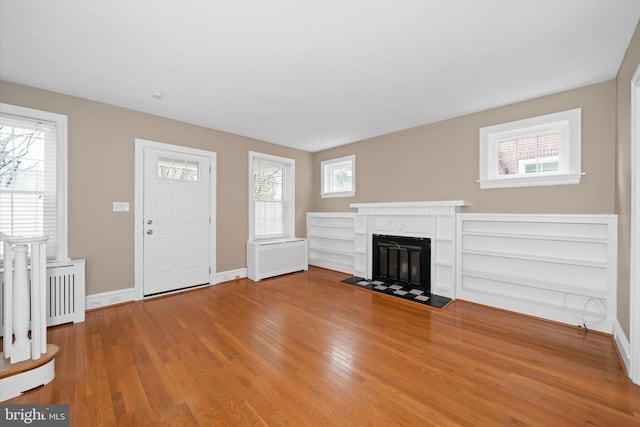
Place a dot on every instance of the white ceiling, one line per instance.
(312, 74)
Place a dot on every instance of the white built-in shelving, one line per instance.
(331, 240)
(361, 248)
(558, 267)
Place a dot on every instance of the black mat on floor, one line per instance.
(397, 290)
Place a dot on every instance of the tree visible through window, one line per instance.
(271, 196)
(29, 193)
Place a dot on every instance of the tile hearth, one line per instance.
(397, 290)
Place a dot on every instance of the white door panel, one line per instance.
(176, 220)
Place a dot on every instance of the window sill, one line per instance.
(338, 194)
(530, 181)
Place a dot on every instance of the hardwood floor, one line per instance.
(305, 350)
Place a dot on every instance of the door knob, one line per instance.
(149, 222)
(149, 231)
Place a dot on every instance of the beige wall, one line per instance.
(440, 161)
(101, 171)
(623, 177)
(432, 162)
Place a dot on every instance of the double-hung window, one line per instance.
(271, 197)
(542, 150)
(33, 152)
(338, 177)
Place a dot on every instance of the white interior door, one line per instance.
(177, 220)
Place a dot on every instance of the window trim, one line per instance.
(61, 170)
(325, 165)
(289, 232)
(568, 123)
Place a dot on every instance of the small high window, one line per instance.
(338, 177)
(543, 150)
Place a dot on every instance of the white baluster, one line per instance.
(38, 300)
(42, 284)
(24, 304)
(7, 333)
(21, 345)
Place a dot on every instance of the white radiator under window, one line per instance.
(268, 259)
(65, 293)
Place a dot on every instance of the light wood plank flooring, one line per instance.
(306, 350)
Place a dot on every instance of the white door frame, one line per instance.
(140, 145)
(634, 282)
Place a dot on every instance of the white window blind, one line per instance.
(28, 205)
(271, 197)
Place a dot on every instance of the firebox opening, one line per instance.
(406, 260)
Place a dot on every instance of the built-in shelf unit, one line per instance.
(558, 267)
(331, 240)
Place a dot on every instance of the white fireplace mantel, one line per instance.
(402, 205)
(433, 219)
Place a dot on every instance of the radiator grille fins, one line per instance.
(272, 259)
(278, 258)
(61, 295)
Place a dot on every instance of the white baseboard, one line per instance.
(622, 343)
(225, 276)
(104, 299)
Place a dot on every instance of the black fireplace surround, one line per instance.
(405, 260)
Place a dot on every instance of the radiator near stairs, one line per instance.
(65, 293)
(268, 259)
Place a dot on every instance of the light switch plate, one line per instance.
(121, 206)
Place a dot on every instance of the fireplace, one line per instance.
(430, 219)
(405, 260)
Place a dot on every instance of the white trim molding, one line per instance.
(104, 299)
(229, 275)
(61, 121)
(120, 296)
(566, 124)
(326, 166)
(287, 200)
(622, 343)
(634, 274)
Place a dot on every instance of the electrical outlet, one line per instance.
(94, 304)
